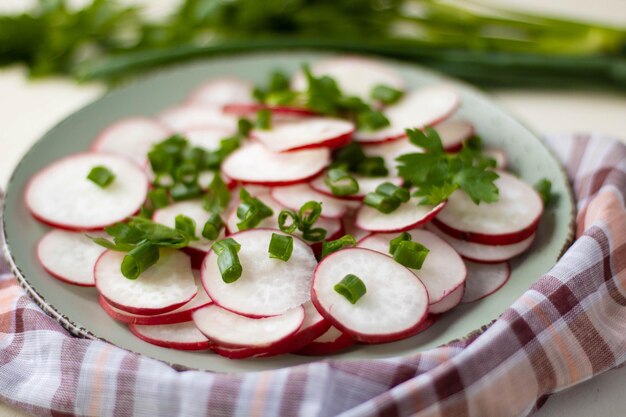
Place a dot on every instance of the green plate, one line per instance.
(77, 308)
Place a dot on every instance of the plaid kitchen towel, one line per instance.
(569, 326)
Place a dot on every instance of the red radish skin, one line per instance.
(443, 270)
(61, 196)
(427, 106)
(294, 196)
(180, 336)
(69, 256)
(193, 116)
(164, 287)
(306, 133)
(389, 311)
(253, 164)
(448, 302)
(485, 279)
(332, 341)
(250, 109)
(406, 217)
(366, 185)
(512, 219)
(222, 91)
(478, 252)
(132, 138)
(267, 286)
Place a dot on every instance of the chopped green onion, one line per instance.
(181, 191)
(101, 176)
(227, 259)
(221, 245)
(309, 213)
(186, 173)
(373, 166)
(161, 161)
(140, 258)
(352, 158)
(282, 220)
(281, 247)
(402, 237)
(264, 119)
(145, 212)
(158, 198)
(119, 247)
(244, 126)
(338, 244)
(194, 156)
(410, 254)
(394, 191)
(279, 81)
(251, 211)
(351, 287)
(371, 120)
(212, 227)
(544, 188)
(340, 182)
(186, 225)
(218, 196)
(125, 233)
(386, 94)
(382, 203)
(158, 234)
(314, 235)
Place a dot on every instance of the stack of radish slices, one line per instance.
(281, 306)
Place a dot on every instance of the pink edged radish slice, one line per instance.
(165, 286)
(207, 138)
(180, 315)
(406, 217)
(417, 109)
(454, 133)
(499, 155)
(512, 219)
(355, 76)
(181, 336)
(193, 116)
(250, 110)
(394, 306)
(132, 138)
(484, 279)
(479, 252)
(351, 229)
(331, 341)
(221, 91)
(366, 185)
(267, 286)
(391, 150)
(70, 256)
(310, 132)
(254, 164)
(443, 270)
(61, 195)
(294, 196)
(450, 301)
(229, 330)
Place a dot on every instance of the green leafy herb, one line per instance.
(345, 241)
(281, 247)
(101, 176)
(186, 225)
(544, 188)
(340, 182)
(351, 287)
(386, 94)
(228, 260)
(410, 254)
(140, 258)
(251, 211)
(264, 119)
(212, 227)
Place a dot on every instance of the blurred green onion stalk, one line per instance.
(482, 44)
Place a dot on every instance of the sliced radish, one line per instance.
(253, 164)
(350, 228)
(70, 256)
(443, 270)
(512, 219)
(394, 306)
(221, 91)
(180, 315)
(164, 287)
(251, 337)
(499, 155)
(250, 109)
(406, 217)
(355, 76)
(448, 302)
(132, 138)
(181, 336)
(309, 132)
(207, 138)
(294, 196)
(391, 150)
(333, 340)
(417, 109)
(366, 185)
(479, 252)
(267, 286)
(454, 133)
(484, 279)
(194, 116)
(61, 195)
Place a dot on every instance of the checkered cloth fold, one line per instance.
(569, 326)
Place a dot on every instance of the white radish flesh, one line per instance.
(366, 185)
(479, 252)
(309, 132)
(221, 91)
(231, 330)
(406, 217)
(61, 195)
(253, 164)
(165, 286)
(70, 256)
(395, 304)
(267, 286)
(181, 336)
(294, 196)
(454, 133)
(443, 269)
(331, 341)
(512, 219)
(132, 138)
(279, 113)
(499, 155)
(391, 150)
(484, 279)
(194, 116)
(448, 302)
(207, 138)
(355, 76)
(417, 109)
